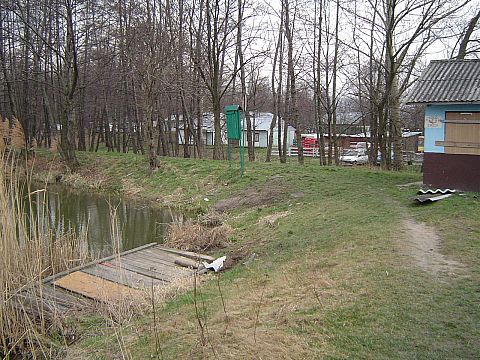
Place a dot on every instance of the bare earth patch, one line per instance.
(422, 243)
(271, 192)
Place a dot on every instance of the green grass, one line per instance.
(334, 281)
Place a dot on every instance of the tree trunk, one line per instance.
(217, 145)
(396, 125)
(462, 50)
(152, 151)
(392, 95)
(67, 143)
(318, 89)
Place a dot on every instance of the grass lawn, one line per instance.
(338, 277)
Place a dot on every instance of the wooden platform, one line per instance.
(112, 278)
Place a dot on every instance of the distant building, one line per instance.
(451, 91)
(260, 128)
(412, 141)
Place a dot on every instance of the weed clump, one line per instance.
(208, 232)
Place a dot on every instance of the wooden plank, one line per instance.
(122, 276)
(459, 144)
(171, 259)
(462, 115)
(37, 307)
(160, 254)
(174, 258)
(156, 263)
(96, 288)
(80, 267)
(61, 296)
(152, 257)
(462, 137)
(47, 300)
(143, 271)
(164, 271)
(188, 263)
(149, 260)
(187, 254)
(464, 121)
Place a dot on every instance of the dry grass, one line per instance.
(129, 188)
(3, 133)
(212, 219)
(261, 320)
(194, 236)
(55, 144)
(270, 220)
(11, 135)
(30, 249)
(265, 317)
(139, 301)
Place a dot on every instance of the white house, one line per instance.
(260, 127)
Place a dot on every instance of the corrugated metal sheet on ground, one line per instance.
(430, 198)
(436, 191)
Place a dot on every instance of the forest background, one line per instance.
(138, 76)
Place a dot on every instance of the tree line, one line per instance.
(139, 75)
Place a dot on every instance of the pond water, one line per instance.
(135, 223)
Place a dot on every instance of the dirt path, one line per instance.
(422, 243)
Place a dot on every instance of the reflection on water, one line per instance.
(137, 223)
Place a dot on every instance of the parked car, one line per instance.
(353, 157)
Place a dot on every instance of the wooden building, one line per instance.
(411, 141)
(450, 89)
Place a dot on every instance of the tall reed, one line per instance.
(31, 248)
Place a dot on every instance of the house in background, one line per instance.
(412, 141)
(260, 128)
(450, 89)
(208, 129)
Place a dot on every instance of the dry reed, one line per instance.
(194, 236)
(31, 248)
(12, 135)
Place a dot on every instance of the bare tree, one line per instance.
(217, 38)
(466, 38)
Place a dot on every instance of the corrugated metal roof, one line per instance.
(448, 81)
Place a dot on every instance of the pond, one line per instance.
(96, 215)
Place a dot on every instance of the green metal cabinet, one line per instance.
(233, 114)
(234, 124)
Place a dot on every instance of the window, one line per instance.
(256, 137)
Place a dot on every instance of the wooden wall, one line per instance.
(462, 133)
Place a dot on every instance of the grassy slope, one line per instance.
(330, 280)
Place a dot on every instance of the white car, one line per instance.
(353, 157)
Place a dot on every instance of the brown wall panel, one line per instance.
(454, 171)
(466, 130)
(467, 116)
